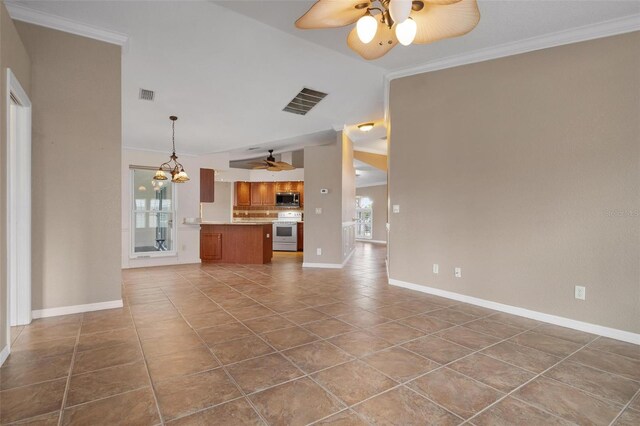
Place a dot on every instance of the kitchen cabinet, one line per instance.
(236, 243)
(249, 194)
(243, 194)
(300, 236)
(210, 245)
(263, 194)
(256, 193)
(269, 194)
(207, 185)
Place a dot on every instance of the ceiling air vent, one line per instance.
(147, 95)
(304, 101)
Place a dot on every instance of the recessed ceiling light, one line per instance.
(365, 127)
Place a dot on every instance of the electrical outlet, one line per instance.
(581, 292)
(458, 272)
(319, 251)
(436, 268)
(396, 208)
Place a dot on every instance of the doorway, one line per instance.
(18, 189)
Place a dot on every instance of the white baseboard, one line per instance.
(76, 309)
(322, 265)
(329, 265)
(613, 333)
(371, 241)
(4, 354)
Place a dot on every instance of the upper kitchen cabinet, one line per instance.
(263, 194)
(252, 194)
(207, 185)
(269, 194)
(243, 194)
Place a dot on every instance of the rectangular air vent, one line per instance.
(147, 95)
(304, 101)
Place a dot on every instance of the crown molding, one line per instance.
(26, 14)
(603, 29)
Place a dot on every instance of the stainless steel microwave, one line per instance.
(288, 199)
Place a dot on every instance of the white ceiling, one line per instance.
(501, 21)
(368, 175)
(227, 68)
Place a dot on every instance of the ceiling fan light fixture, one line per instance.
(400, 10)
(367, 26)
(366, 127)
(406, 32)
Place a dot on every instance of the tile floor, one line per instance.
(276, 344)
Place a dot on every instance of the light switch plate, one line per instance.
(581, 292)
(436, 268)
(318, 252)
(396, 208)
(318, 210)
(458, 272)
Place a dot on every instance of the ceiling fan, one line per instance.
(271, 164)
(380, 28)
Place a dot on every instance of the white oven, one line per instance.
(285, 231)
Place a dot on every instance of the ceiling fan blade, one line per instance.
(332, 14)
(274, 169)
(271, 163)
(382, 43)
(441, 1)
(262, 167)
(439, 21)
(285, 166)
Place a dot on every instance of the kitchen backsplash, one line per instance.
(255, 215)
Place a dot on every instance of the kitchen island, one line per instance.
(247, 243)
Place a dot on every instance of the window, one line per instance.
(152, 216)
(364, 218)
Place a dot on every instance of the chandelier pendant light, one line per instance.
(383, 24)
(173, 167)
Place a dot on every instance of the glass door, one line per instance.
(364, 218)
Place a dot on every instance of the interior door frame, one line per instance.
(18, 184)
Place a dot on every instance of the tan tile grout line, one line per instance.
(626, 407)
(480, 317)
(221, 364)
(524, 330)
(512, 392)
(146, 367)
(308, 375)
(365, 329)
(68, 383)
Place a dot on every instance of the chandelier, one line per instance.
(382, 24)
(178, 175)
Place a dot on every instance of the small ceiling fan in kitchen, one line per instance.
(271, 164)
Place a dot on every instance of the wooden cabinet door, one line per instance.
(269, 194)
(301, 190)
(243, 194)
(300, 236)
(256, 193)
(210, 246)
(207, 185)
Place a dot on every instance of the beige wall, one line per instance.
(511, 168)
(222, 208)
(13, 55)
(323, 169)
(329, 167)
(378, 194)
(75, 92)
